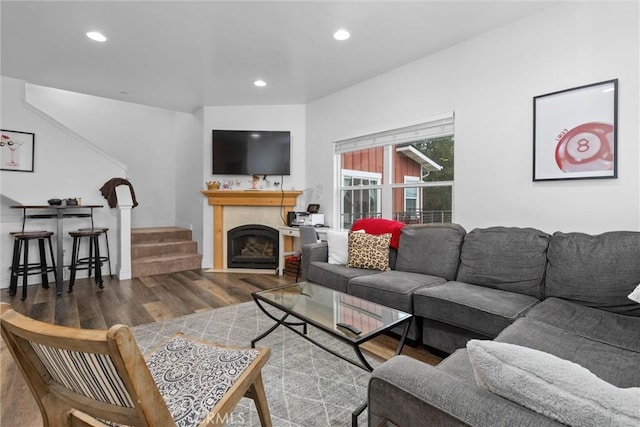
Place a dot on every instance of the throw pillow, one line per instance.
(369, 251)
(338, 245)
(379, 226)
(554, 387)
(635, 295)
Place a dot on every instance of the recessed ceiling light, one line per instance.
(341, 35)
(96, 36)
(260, 83)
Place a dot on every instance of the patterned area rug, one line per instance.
(305, 385)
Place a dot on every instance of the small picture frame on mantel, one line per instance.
(16, 150)
(575, 133)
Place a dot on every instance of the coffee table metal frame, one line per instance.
(354, 340)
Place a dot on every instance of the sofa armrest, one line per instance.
(313, 252)
(407, 392)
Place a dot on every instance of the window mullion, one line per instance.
(387, 180)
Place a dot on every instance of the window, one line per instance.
(411, 200)
(404, 174)
(360, 195)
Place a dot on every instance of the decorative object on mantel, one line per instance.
(17, 150)
(213, 185)
(575, 133)
(255, 179)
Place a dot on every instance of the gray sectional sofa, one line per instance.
(564, 294)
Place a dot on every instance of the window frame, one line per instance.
(438, 126)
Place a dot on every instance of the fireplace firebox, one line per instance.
(252, 246)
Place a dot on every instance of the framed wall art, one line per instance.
(575, 133)
(16, 150)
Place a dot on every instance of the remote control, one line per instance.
(350, 328)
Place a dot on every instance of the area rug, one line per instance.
(305, 385)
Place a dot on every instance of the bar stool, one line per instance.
(89, 263)
(20, 241)
(103, 259)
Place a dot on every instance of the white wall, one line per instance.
(141, 137)
(489, 82)
(259, 117)
(82, 141)
(63, 167)
(189, 173)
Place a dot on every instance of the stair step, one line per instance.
(152, 265)
(159, 235)
(160, 250)
(142, 250)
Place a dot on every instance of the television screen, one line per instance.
(243, 152)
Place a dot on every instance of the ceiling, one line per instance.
(181, 55)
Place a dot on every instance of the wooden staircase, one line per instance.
(160, 250)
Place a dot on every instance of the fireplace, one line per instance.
(252, 246)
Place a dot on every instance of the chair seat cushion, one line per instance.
(192, 376)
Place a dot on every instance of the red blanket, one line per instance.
(380, 226)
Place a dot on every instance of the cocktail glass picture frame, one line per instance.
(575, 133)
(17, 150)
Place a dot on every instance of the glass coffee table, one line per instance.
(349, 319)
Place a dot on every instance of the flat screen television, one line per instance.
(250, 152)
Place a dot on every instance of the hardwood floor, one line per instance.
(135, 302)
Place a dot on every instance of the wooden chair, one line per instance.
(82, 377)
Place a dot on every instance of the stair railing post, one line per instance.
(125, 203)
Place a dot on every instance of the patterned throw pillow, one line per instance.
(369, 251)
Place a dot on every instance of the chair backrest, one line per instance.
(84, 377)
(308, 235)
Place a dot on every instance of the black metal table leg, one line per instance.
(268, 331)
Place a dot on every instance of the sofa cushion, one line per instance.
(369, 251)
(599, 325)
(597, 271)
(432, 249)
(338, 246)
(483, 310)
(557, 388)
(391, 288)
(334, 276)
(507, 258)
(614, 365)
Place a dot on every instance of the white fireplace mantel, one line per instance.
(223, 200)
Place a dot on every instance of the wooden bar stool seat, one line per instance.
(92, 262)
(25, 269)
(103, 258)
